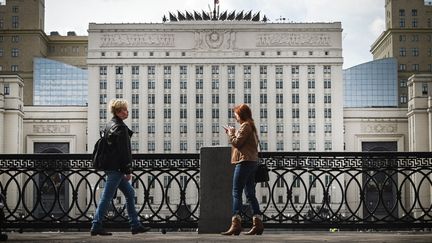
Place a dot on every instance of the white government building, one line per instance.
(183, 79)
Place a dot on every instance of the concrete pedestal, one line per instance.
(215, 190)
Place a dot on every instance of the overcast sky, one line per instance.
(362, 21)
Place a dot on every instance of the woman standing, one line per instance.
(117, 169)
(245, 157)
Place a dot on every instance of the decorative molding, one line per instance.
(292, 39)
(379, 128)
(142, 40)
(51, 128)
(215, 40)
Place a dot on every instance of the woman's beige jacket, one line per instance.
(244, 144)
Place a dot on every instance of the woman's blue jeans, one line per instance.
(244, 178)
(114, 180)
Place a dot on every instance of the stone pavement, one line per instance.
(193, 237)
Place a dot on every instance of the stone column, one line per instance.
(215, 190)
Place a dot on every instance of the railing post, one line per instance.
(215, 189)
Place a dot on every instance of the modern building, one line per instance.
(58, 84)
(408, 38)
(371, 84)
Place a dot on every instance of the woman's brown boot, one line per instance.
(235, 228)
(257, 228)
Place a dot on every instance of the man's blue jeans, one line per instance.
(114, 180)
(244, 178)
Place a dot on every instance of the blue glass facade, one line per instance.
(371, 84)
(59, 84)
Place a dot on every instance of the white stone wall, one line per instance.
(419, 125)
(11, 114)
(375, 125)
(56, 124)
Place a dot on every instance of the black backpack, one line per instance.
(100, 152)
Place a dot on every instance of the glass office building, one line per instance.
(371, 84)
(59, 84)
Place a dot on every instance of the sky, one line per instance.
(362, 21)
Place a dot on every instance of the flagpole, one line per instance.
(214, 10)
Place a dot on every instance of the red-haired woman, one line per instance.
(245, 156)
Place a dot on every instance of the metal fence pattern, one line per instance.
(349, 190)
(306, 190)
(62, 191)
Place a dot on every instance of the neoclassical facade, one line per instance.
(184, 78)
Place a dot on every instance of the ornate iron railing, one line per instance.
(349, 190)
(62, 191)
(306, 190)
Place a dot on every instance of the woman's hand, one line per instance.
(128, 177)
(231, 130)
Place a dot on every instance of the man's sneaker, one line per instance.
(140, 229)
(94, 232)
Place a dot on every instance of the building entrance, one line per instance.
(50, 183)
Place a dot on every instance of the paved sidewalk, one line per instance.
(192, 237)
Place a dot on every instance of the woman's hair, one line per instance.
(245, 114)
(116, 105)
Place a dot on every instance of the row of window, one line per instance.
(414, 67)
(66, 49)
(414, 52)
(151, 147)
(199, 113)
(246, 53)
(199, 83)
(414, 12)
(199, 98)
(414, 38)
(14, 52)
(414, 23)
(14, 39)
(15, 22)
(13, 68)
(199, 70)
(296, 128)
(215, 128)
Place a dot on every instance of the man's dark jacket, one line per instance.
(119, 146)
